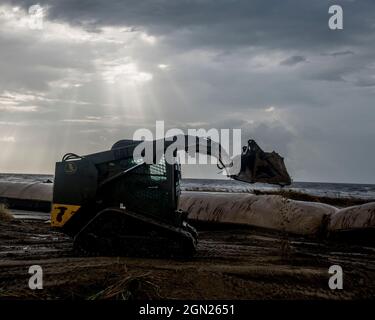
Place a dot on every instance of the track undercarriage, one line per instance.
(117, 232)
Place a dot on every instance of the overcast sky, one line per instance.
(98, 70)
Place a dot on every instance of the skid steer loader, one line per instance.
(112, 203)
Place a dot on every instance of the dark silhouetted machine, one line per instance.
(113, 203)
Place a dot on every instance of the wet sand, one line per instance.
(231, 263)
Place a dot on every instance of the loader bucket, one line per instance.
(263, 167)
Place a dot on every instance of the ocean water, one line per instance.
(335, 190)
(338, 190)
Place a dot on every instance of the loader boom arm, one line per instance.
(253, 165)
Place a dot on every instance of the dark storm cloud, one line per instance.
(222, 23)
(339, 53)
(292, 61)
(366, 82)
(272, 68)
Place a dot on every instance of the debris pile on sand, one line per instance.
(4, 212)
(128, 288)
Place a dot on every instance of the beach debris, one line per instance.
(5, 213)
(128, 288)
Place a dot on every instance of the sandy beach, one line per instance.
(231, 263)
(260, 245)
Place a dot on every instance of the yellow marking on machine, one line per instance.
(61, 213)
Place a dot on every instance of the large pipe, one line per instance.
(265, 211)
(28, 196)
